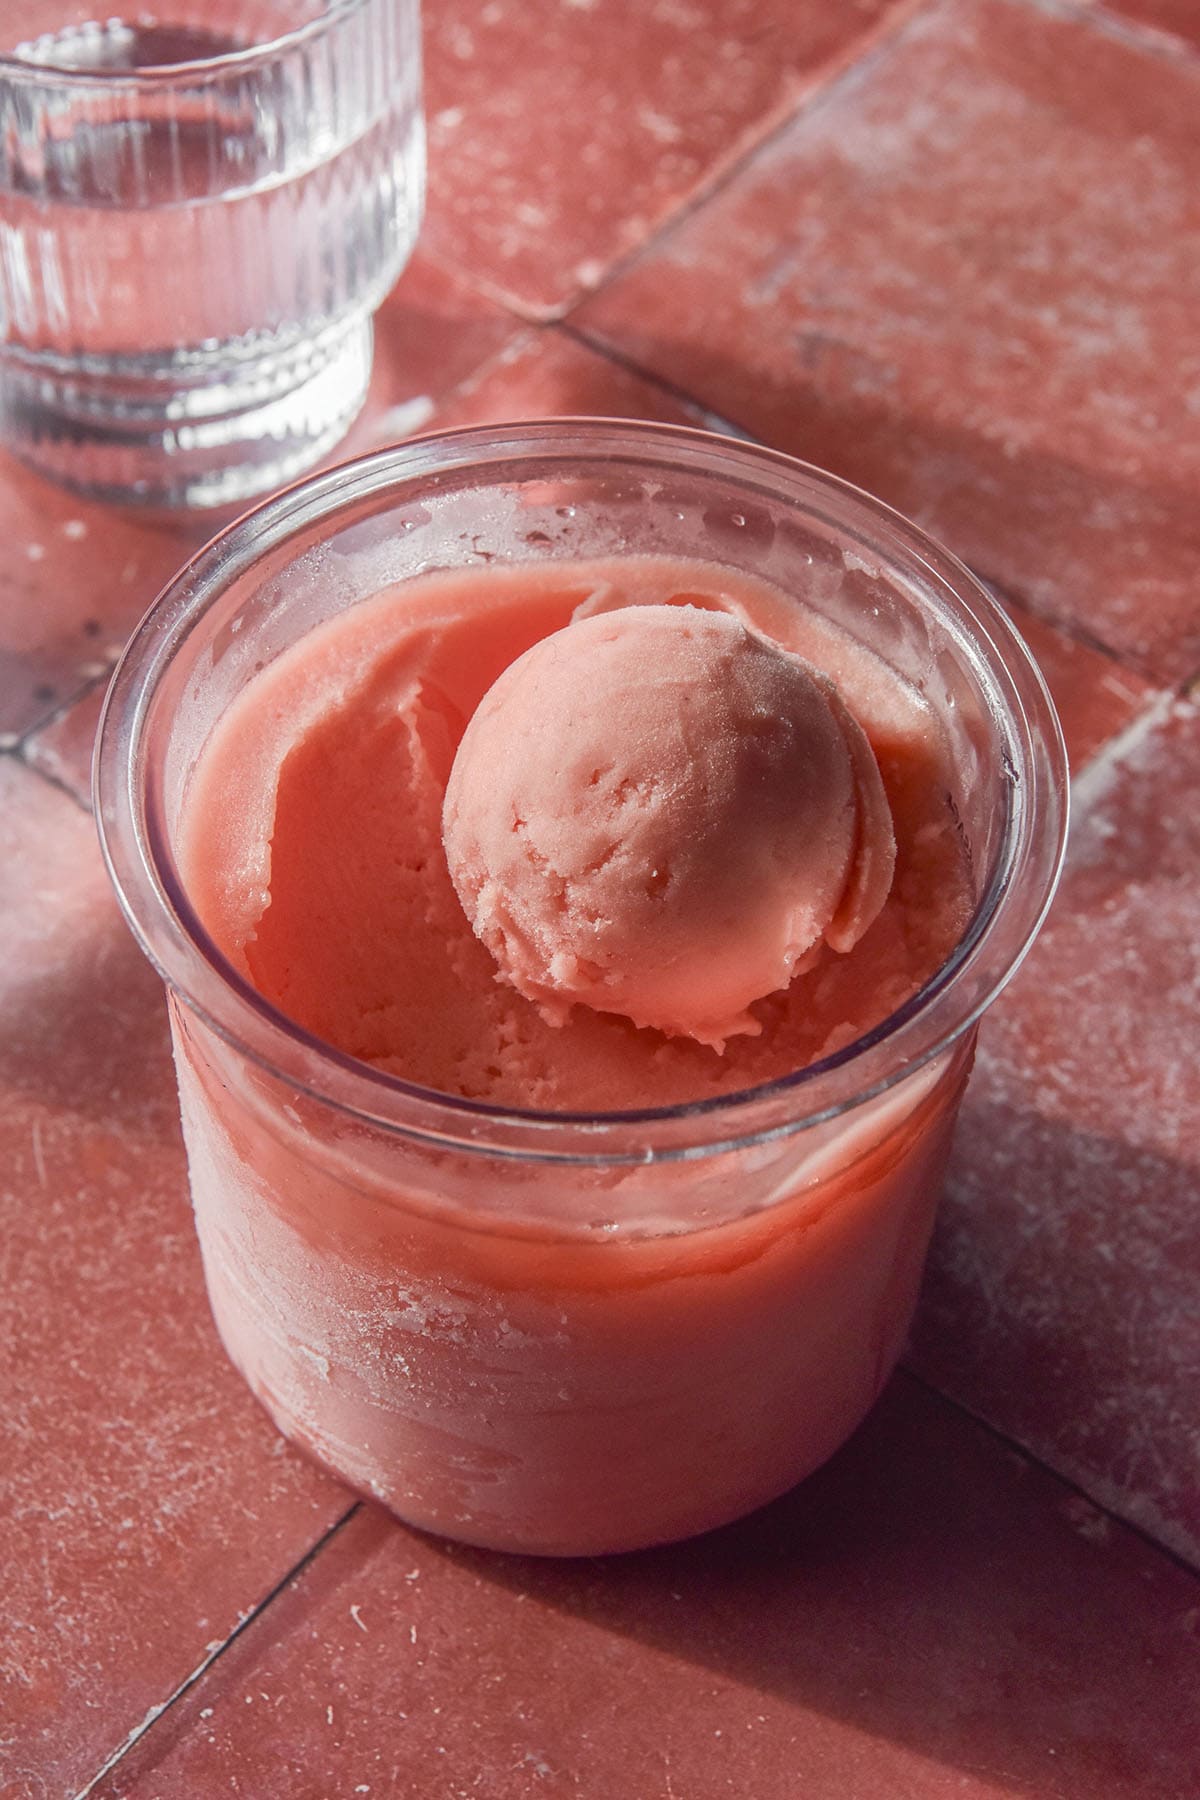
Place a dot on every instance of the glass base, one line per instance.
(190, 435)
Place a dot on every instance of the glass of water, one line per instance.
(200, 210)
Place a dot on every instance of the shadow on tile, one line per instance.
(930, 1588)
(930, 1614)
(1062, 1303)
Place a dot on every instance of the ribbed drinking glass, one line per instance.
(199, 213)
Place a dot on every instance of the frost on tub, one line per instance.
(480, 1340)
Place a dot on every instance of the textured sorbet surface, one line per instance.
(658, 790)
(311, 842)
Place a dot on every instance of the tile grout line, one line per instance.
(18, 744)
(1078, 633)
(526, 336)
(829, 76)
(1037, 1461)
(603, 347)
(148, 1724)
(15, 753)
(1148, 39)
(89, 675)
(94, 675)
(53, 781)
(998, 1436)
(1094, 773)
(1075, 629)
(824, 86)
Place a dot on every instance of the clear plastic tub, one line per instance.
(549, 1332)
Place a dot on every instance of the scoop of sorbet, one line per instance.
(657, 812)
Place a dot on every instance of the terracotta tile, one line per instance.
(562, 132)
(63, 748)
(1095, 695)
(75, 577)
(928, 1616)
(147, 1503)
(1177, 20)
(547, 373)
(969, 279)
(433, 330)
(1063, 1300)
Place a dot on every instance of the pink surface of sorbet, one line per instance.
(658, 813)
(312, 846)
(552, 1355)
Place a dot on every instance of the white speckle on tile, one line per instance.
(1086, 1519)
(402, 420)
(74, 529)
(662, 129)
(357, 1617)
(35, 552)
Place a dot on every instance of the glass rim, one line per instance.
(142, 870)
(48, 74)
